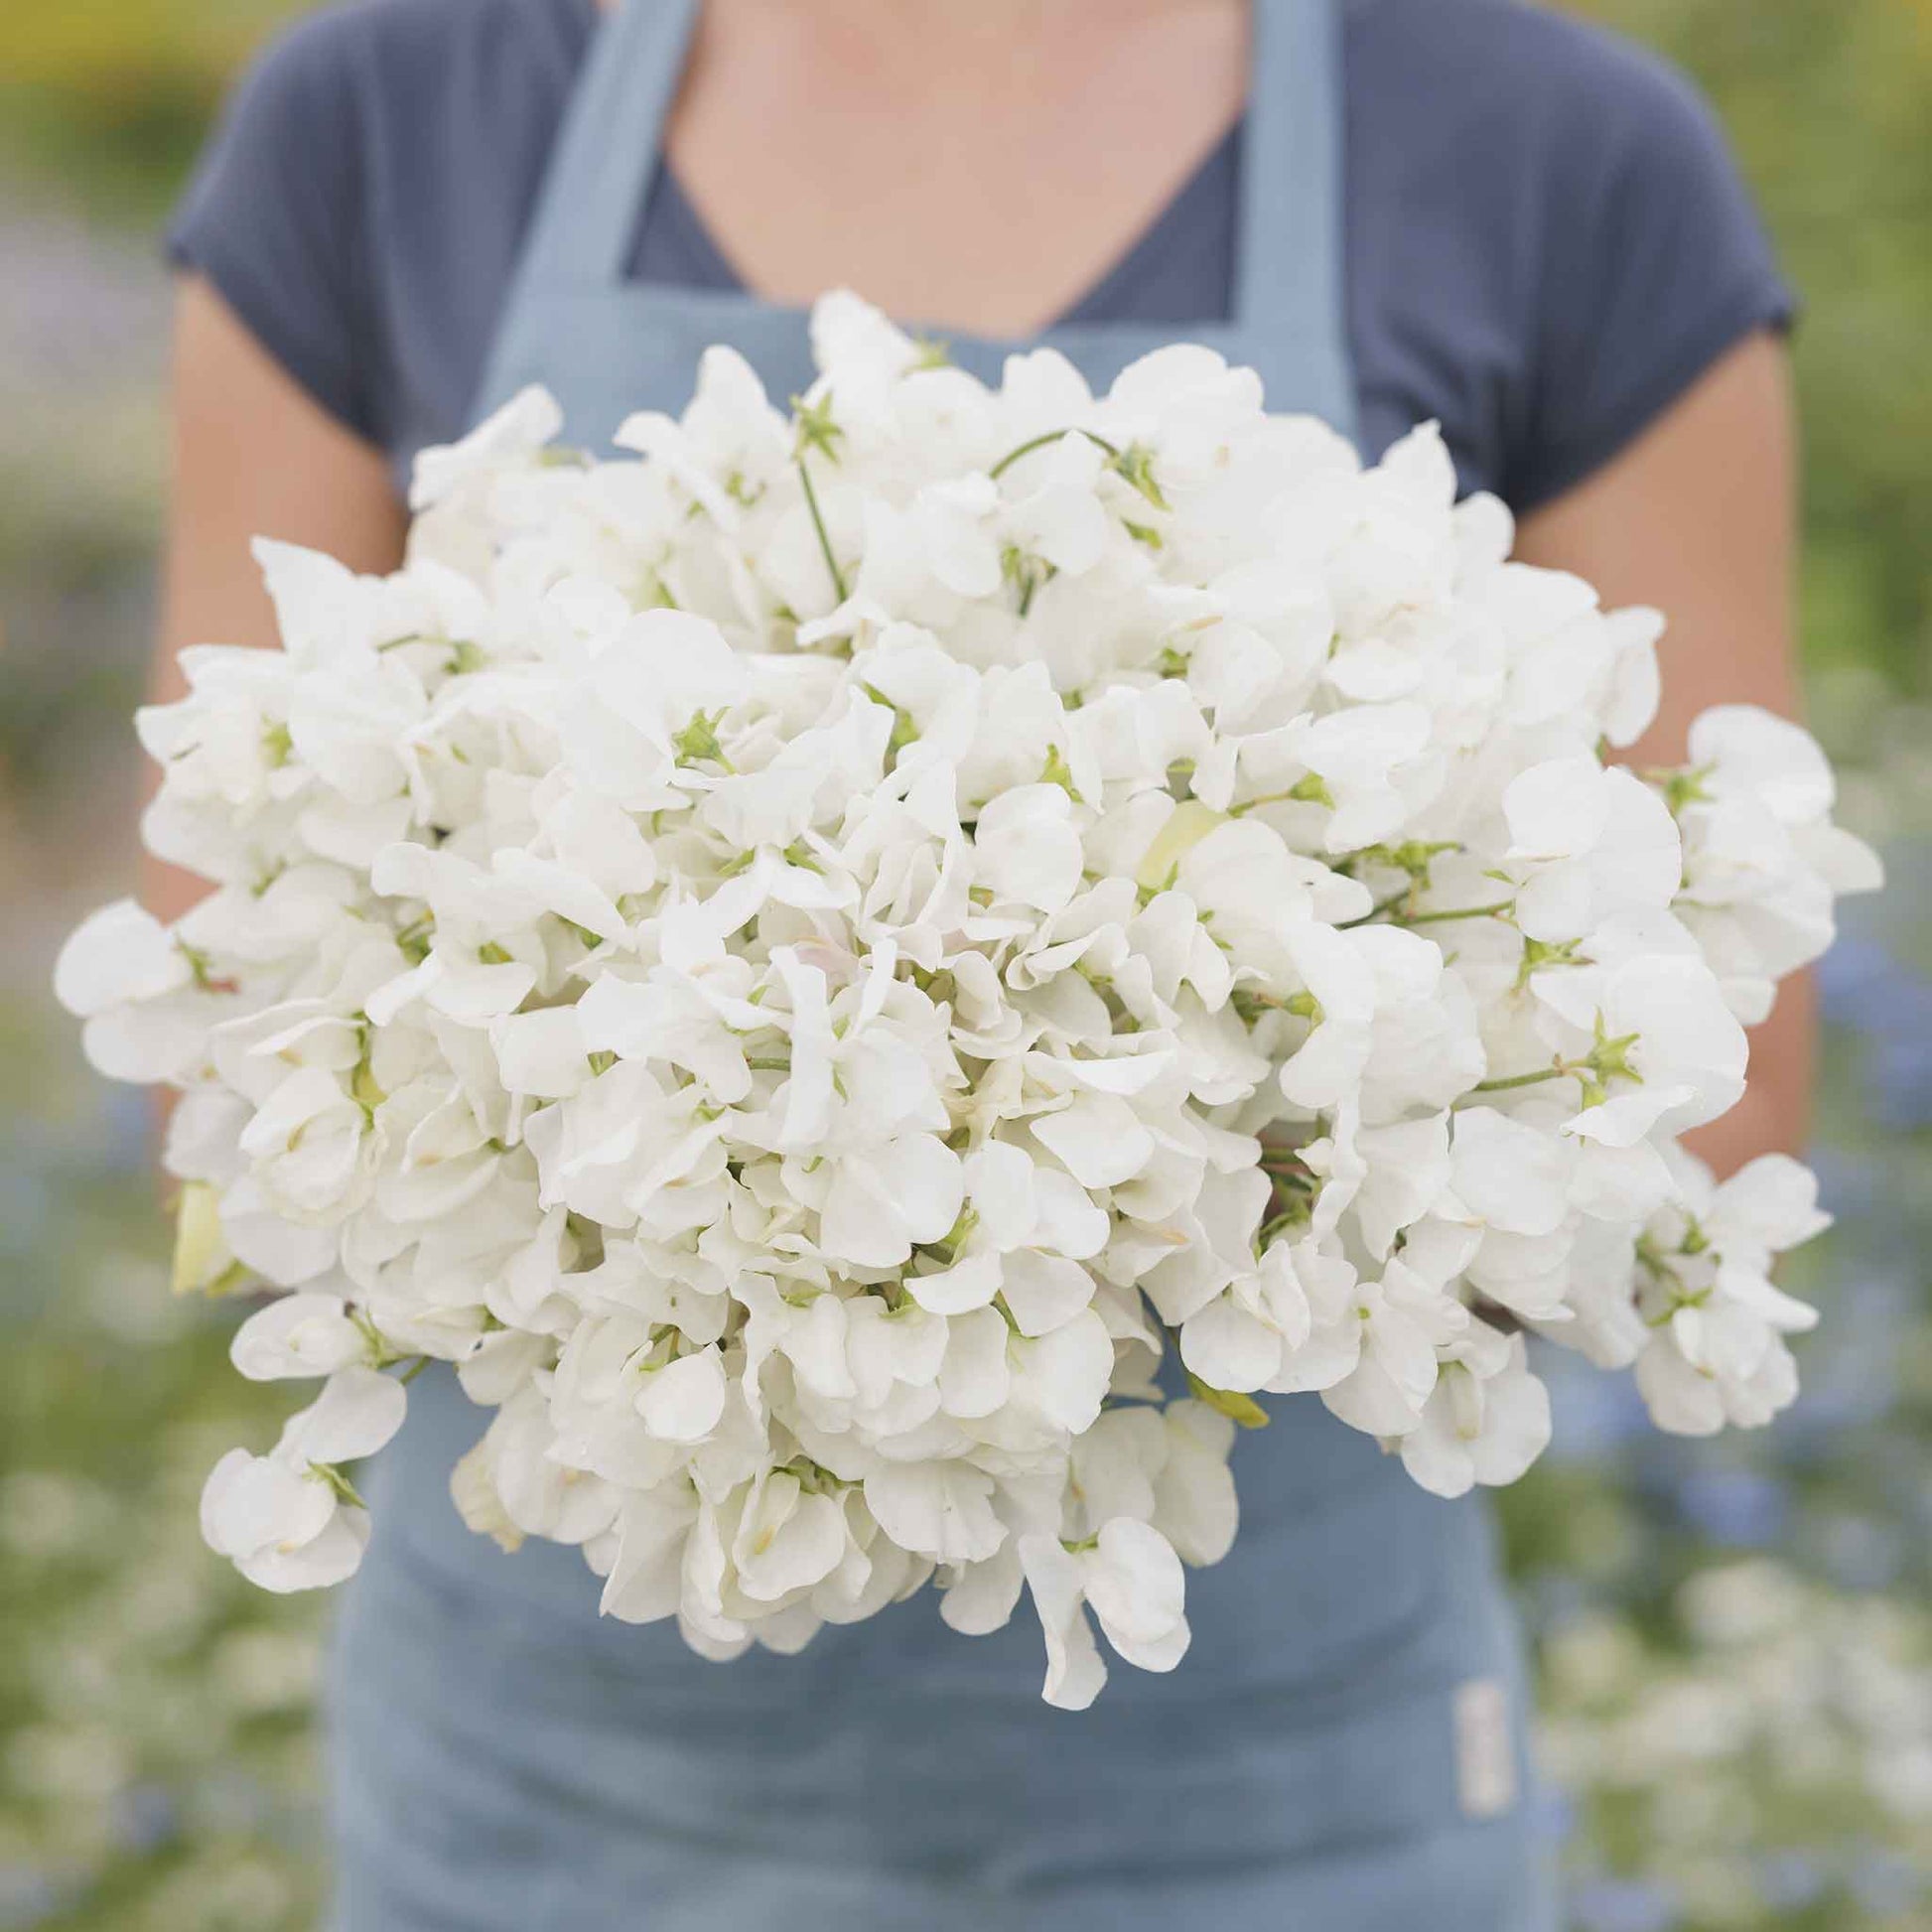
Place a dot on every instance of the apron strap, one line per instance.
(1290, 269)
(609, 145)
(1289, 295)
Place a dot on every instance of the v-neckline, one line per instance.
(666, 199)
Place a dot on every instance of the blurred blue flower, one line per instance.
(1845, 1388)
(26, 1208)
(1792, 1881)
(1593, 1415)
(1904, 1080)
(1554, 1816)
(28, 1896)
(127, 1125)
(1743, 1509)
(1855, 971)
(1858, 1554)
(1863, 988)
(1849, 1185)
(1623, 1905)
(1886, 1883)
(146, 1818)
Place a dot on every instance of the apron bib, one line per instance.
(506, 1760)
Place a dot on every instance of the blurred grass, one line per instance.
(108, 99)
(1737, 1648)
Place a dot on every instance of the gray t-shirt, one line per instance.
(1546, 240)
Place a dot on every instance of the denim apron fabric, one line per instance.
(1341, 1751)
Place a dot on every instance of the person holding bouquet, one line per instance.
(1472, 211)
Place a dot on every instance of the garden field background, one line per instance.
(1734, 1639)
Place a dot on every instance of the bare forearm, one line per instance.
(252, 455)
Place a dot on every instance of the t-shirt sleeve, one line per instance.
(1653, 263)
(274, 216)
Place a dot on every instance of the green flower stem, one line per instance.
(818, 524)
(1495, 911)
(1561, 1070)
(1012, 457)
(1310, 791)
(1376, 911)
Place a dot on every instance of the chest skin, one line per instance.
(982, 167)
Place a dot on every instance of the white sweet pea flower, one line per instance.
(1718, 1356)
(309, 1143)
(1060, 518)
(684, 1400)
(512, 437)
(1372, 1346)
(788, 1538)
(1486, 1420)
(288, 1520)
(1132, 1580)
(803, 964)
(1763, 862)
(284, 1529)
(1241, 1338)
(124, 974)
(941, 1510)
(1370, 760)
(1028, 848)
(298, 1336)
(1603, 845)
(1660, 1047)
(647, 711)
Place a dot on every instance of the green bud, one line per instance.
(1135, 464)
(363, 1088)
(1056, 771)
(1242, 1409)
(203, 1263)
(345, 1489)
(1189, 822)
(815, 428)
(698, 741)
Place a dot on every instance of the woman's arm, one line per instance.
(254, 454)
(1697, 518)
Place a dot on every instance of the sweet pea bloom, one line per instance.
(802, 960)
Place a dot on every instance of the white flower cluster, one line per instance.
(803, 964)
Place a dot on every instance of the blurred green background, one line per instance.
(1734, 1639)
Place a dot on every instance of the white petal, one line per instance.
(683, 1401)
(941, 1510)
(117, 954)
(1044, 1291)
(355, 1413)
(297, 1336)
(1101, 1140)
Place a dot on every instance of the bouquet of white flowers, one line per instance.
(805, 963)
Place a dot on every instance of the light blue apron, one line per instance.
(1342, 1749)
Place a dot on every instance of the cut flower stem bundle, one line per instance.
(805, 958)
